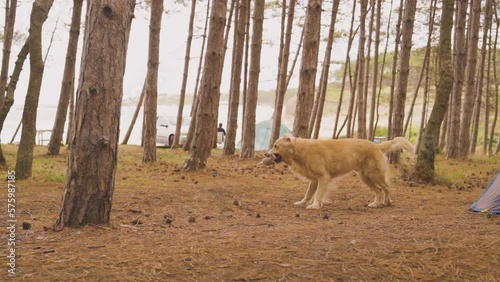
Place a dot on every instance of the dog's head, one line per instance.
(282, 149)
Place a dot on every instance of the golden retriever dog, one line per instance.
(321, 160)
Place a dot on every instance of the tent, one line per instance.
(490, 199)
(263, 134)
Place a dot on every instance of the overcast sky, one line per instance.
(172, 49)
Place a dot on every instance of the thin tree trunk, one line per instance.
(315, 123)
(238, 52)
(8, 34)
(469, 97)
(424, 65)
(344, 75)
(487, 103)
(11, 87)
(194, 106)
(24, 161)
(88, 193)
(479, 79)
(394, 69)
(404, 71)
(364, 73)
(283, 69)
(71, 114)
(495, 79)
(309, 64)
(245, 67)
(68, 82)
(209, 96)
(151, 99)
(379, 94)
(424, 168)
(373, 104)
(459, 72)
(200, 65)
(185, 74)
(136, 114)
(248, 140)
(425, 100)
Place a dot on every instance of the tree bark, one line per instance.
(8, 34)
(309, 64)
(24, 161)
(478, 84)
(283, 69)
(362, 71)
(68, 81)
(315, 123)
(469, 96)
(151, 98)
(459, 71)
(92, 160)
(424, 169)
(209, 96)
(185, 73)
(248, 140)
(373, 104)
(234, 93)
(344, 75)
(404, 72)
(495, 79)
(394, 69)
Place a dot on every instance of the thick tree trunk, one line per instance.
(209, 96)
(151, 99)
(234, 93)
(404, 72)
(283, 69)
(469, 97)
(248, 140)
(68, 81)
(424, 169)
(309, 65)
(24, 161)
(92, 160)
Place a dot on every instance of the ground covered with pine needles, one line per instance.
(235, 221)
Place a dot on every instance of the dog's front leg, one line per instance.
(313, 185)
(320, 193)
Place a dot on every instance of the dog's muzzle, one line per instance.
(276, 157)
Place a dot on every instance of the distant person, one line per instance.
(221, 129)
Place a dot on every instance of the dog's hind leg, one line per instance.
(311, 190)
(320, 193)
(379, 193)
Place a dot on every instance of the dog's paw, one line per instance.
(314, 206)
(299, 203)
(374, 205)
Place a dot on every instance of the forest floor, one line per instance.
(236, 221)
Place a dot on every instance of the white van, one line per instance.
(165, 130)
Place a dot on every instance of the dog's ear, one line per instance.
(288, 137)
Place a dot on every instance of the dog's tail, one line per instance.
(398, 143)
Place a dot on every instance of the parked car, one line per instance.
(165, 129)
